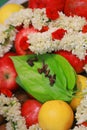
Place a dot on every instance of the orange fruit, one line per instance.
(55, 115)
(81, 84)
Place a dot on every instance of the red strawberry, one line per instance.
(30, 110)
(84, 29)
(76, 7)
(36, 4)
(58, 34)
(7, 72)
(52, 13)
(21, 45)
(6, 92)
(44, 29)
(76, 63)
(57, 4)
(84, 123)
(19, 27)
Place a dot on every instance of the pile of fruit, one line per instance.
(42, 82)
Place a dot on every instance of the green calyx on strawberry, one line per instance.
(76, 63)
(7, 72)
(21, 45)
(57, 4)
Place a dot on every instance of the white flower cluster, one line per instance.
(7, 36)
(40, 43)
(36, 17)
(70, 23)
(80, 127)
(81, 114)
(74, 40)
(10, 109)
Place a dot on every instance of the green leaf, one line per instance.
(37, 84)
(68, 71)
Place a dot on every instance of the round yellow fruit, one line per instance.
(81, 84)
(7, 10)
(55, 115)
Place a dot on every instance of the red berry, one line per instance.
(6, 92)
(21, 45)
(30, 111)
(76, 7)
(57, 4)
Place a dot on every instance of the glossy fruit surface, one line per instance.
(57, 4)
(55, 115)
(6, 92)
(76, 7)
(21, 45)
(7, 72)
(30, 110)
(81, 85)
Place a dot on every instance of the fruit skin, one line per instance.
(6, 92)
(57, 4)
(81, 84)
(76, 63)
(29, 111)
(36, 4)
(76, 7)
(21, 45)
(7, 10)
(7, 72)
(55, 115)
(85, 123)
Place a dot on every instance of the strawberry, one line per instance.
(21, 45)
(84, 123)
(84, 29)
(44, 29)
(58, 34)
(7, 72)
(52, 13)
(30, 110)
(76, 7)
(57, 4)
(19, 27)
(36, 4)
(6, 92)
(76, 63)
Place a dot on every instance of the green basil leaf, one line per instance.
(37, 84)
(68, 71)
